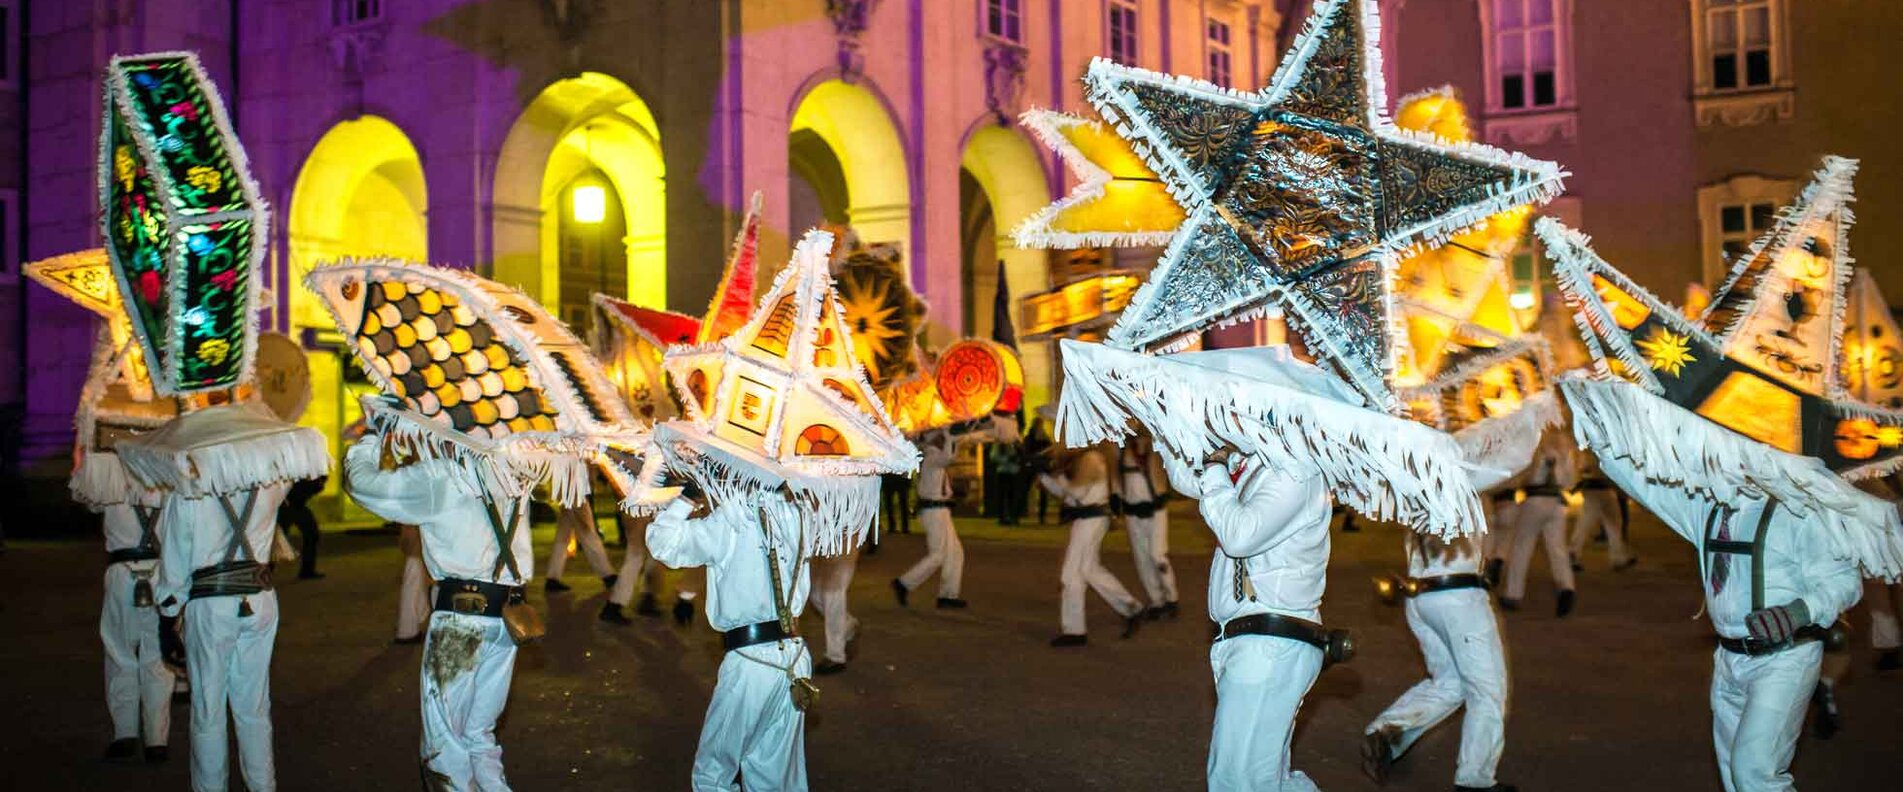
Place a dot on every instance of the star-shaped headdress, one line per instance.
(1748, 396)
(784, 401)
(484, 375)
(1301, 196)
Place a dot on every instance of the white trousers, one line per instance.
(944, 554)
(1460, 640)
(588, 536)
(1501, 521)
(1083, 566)
(138, 683)
(412, 600)
(468, 662)
(1757, 709)
(1149, 549)
(1884, 634)
(831, 578)
(1542, 519)
(1599, 508)
(753, 737)
(638, 568)
(229, 659)
(1260, 682)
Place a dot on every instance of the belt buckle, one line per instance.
(469, 603)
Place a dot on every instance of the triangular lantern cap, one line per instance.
(1873, 346)
(183, 222)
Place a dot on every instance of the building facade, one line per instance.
(573, 146)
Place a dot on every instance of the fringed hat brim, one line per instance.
(838, 508)
(222, 450)
(1499, 448)
(1385, 467)
(506, 468)
(1672, 446)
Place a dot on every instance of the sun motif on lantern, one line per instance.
(1666, 351)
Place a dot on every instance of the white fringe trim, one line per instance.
(1036, 232)
(508, 468)
(1385, 467)
(1506, 443)
(838, 508)
(101, 480)
(1674, 447)
(257, 459)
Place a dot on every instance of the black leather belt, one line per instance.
(1073, 513)
(1542, 491)
(1504, 497)
(1595, 484)
(128, 554)
(231, 579)
(1276, 625)
(1757, 648)
(1428, 585)
(1142, 510)
(475, 597)
(755, 634)
(924, 504)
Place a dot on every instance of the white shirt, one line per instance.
(123, 529)
(1797, 562)
(196, 534)
(731, 543)
(449, 512)
(1096, 494)
(934, 477)
(1139, 486)
(1276, 526)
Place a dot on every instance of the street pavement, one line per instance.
(1613, 697)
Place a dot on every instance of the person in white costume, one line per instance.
(476, 545)
(754, 735)
(831, 578)
(1265, 591)
(1146, 520)
(212, 573)
(577, 522)
(1600, 509)
(1772, 590)
(1085, 492)
(1448, 610)
(412, 600)
(944, 554)
(1541, 518)
(138, 682)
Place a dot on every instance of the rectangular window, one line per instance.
(350, 12)
(1739, 225)
(1526, 52)
(1004, 19)
(1219, 54)
(1739, 42)
(1123, 31)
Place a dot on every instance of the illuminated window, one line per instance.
(1004, 19)
(1121, 30)
(1528, 53)
(821, 440)
(1219, 53)
(350, 12)
(1733, 214)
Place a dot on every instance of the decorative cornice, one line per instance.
(1745, 109)
(1533, 129)
(1005, 64)
(850, 20)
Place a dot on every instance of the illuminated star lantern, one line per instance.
(183, 223)
(1760, 367)
(1301, 196)
(880, 309)
(1118, 200)
(784, 402)
(1873, 347)
(484, 374)
(629, 339)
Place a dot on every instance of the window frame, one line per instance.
(1135, 10)
(1562, 24)
(1743, 190)
(1225, 49)
(1704, 72)
(1013, 9)
(341, 13)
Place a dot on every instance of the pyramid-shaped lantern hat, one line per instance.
(786, 390)
(1763, 361)
(1873, 346)
(1302, 196)
(183, 222)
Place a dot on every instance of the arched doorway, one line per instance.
(847, 164)
(361, 192)
(1001, 182)
(581, 188)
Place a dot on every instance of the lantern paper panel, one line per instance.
(1302, 196)
(883, 313)
(1118, 200)
(1873, 349)
(183, 223)
(1762, 361)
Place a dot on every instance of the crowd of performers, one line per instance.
(768, 470)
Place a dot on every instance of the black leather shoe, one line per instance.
(1377, 753)
(1824, 719)
(1565, 606)
(608, 581)
(899, 592)
(1153, 613)
(611, 613)
(156, 754)
(1494, 788)
(683, 611)
(1889, 660)
(1131, 623)
(646, 606)
(554, 586)
(1066, 639)
(124, 749)
(953, 603)
(1170, 609)
(827, 668)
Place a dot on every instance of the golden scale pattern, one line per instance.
(447, 363)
